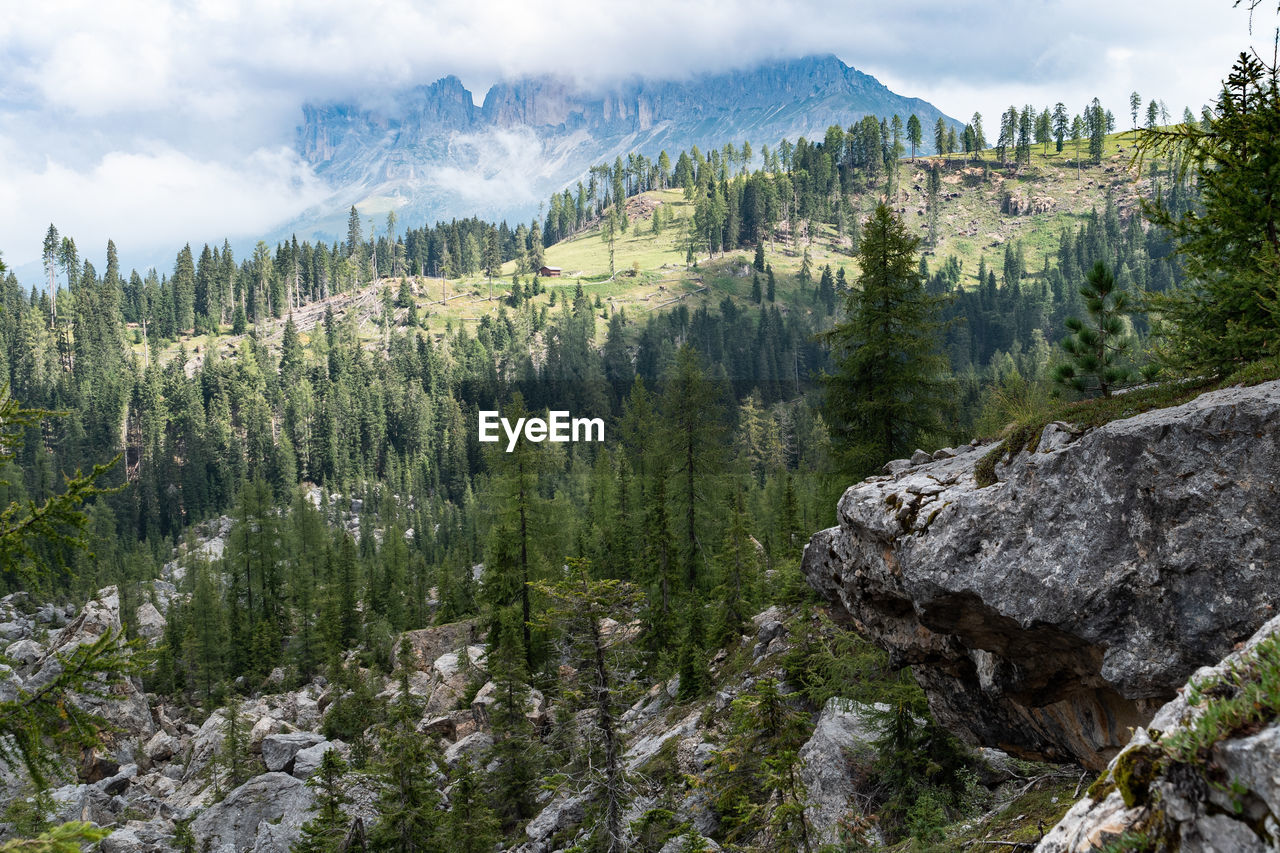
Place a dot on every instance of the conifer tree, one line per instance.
(1097, 349)
(343, 623)
(660, 575)
(579, 605)
(691, 407)
(406, 772)
(1060, 125)
(1227, 313)
(691, 663)
(471, 826)
(758, 768)
(886, 392)
(515, 745)
(516, 549)
(738, 566)
(355, 232)
(233, 755)
(327, 831)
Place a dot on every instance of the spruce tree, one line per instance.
(327, 831)
(692, 410)
(516, 549)
(471, 825)
(691, 663)
(738, 570)
(233, 755)
(1226, 314)
(887, 390)
(515, 748)
(578, 607)
(406, 773)
(757, 782)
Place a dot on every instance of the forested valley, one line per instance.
(293, 474)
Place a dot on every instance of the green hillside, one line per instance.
(1054, 192)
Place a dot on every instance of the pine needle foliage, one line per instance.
(1097, 348)
(887, 391)
(1229, 312)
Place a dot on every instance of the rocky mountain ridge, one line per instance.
(434, 154)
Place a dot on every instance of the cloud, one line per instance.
(501, 169)
(164, 117)
(149, 199)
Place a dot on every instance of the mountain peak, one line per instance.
(439, 153)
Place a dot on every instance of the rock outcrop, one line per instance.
(1050, 612)
(272, 799)
(41, 642)
(1175, 803)
(837, 760)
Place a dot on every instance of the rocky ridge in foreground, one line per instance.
(161, 769)
(1049, 613)
(1197, 778)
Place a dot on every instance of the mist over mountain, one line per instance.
(431, 153)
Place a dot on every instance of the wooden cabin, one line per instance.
(549, 272)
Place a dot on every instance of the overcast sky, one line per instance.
(158, 122)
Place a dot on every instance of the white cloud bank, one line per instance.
(162, 121)
(148, 198)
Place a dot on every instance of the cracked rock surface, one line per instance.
(1051, 612)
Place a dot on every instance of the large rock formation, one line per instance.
(1185, 806)
(1052, 611)
(235, 823)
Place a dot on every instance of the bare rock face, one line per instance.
(280, 750)
(267, 803)
(837, 759)
(1175, 804)
(124, 707)
(428, 644)
(1049, 613)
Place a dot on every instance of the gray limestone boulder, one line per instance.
(84, 803)
(150, 622)
(561, 814)
(275, 800)
(205, 744)
(279, 750)
(836, 764)
(161, 747)
(1049, 613)
(472, 747)
(24, 652)
(307, 761)
(136, 836)
(1179, 803)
